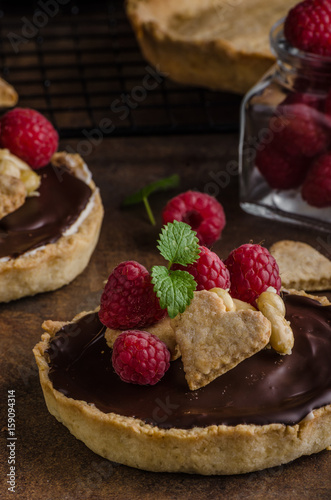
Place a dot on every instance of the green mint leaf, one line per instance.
(178, 243)
(143, 194)
(161, 185)
(173, 288)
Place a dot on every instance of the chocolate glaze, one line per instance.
(266, 388)
(43, 219)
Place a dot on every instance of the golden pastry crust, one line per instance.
(217, 449)
(214, 43)
(55, 264)
(8, 95)
(301, 266)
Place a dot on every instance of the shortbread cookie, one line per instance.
(267, 411)
(213, 341)
(48, 241)
(324, 301)
(162, 329)
(214, 43)
(301, 266)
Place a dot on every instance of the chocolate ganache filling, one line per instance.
(44, 218)
(265, 388)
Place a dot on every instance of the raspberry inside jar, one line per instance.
(285, 143)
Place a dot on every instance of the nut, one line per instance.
(230, 303)
(226, 297)
(276, 301)
(240, 305)
(273, 308)
(13, 166)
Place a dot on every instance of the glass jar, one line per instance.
(285, 139)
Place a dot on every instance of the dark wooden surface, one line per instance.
(51, 463)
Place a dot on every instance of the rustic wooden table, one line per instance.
(51, 463)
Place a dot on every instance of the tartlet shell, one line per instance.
(216, 449)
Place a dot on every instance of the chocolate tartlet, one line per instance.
(48, 241)
(267, 411)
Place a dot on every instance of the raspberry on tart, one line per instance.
(28, 135)
(128, 299)
(252, 271)
(201, 211)
(140, 358)
(208, 271)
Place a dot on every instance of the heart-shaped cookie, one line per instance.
(213, 341)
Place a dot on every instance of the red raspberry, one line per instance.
(300, 130)
(327, 108)
(308, 28)
(252, 271)
(201, 211)
(312, 100)
(316, 190)
(29, 135)
(140, 357)
(208, 271)
(128, 299)
(281, 170)
(327, 104)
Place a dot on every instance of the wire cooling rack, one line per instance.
(79, 64)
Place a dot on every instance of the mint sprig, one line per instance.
(143, 194)
(178, 244)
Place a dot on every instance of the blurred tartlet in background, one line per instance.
(218, 44)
